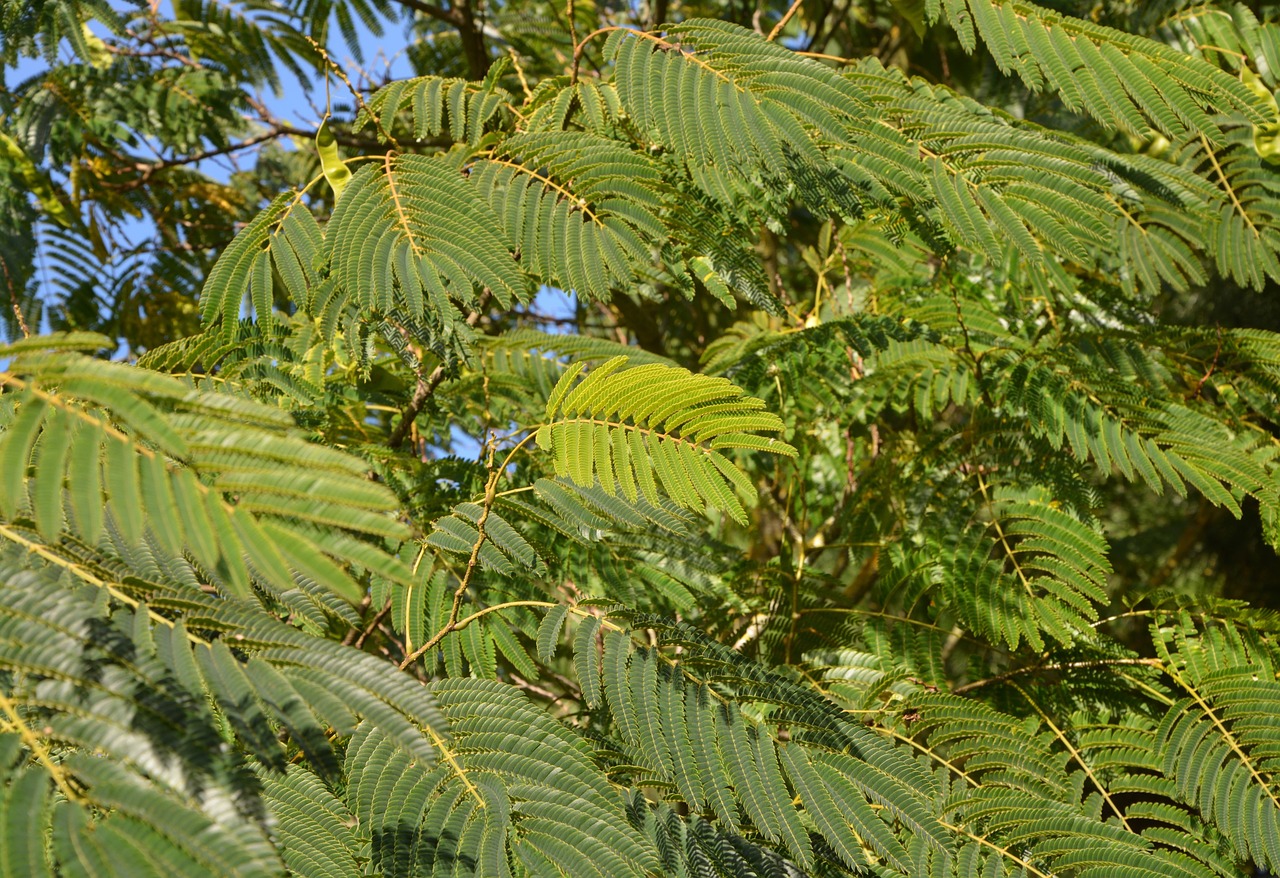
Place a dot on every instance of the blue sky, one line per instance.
(295, 104)
(383, 56)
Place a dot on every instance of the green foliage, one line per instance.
(1124, 82)
(145, 455)
(655, 425)
(676, 440)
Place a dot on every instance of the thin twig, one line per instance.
(490, 490)
(147, 169)
(426, 387)
(17, 306)
(1064, 666)
(573, 26)
(61, 778)
(355, 92)
(1212, 366)
(373, 625)
(777, 28)
(524, 82)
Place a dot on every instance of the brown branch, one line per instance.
(490, 491)
(777, 28)
(452, 16)
(149, 168)
(461, 16)
(472, 37)
(659, 14)
(171, 54)
(521, 683)
(421, 393)
(358, 641)
(1065, 666)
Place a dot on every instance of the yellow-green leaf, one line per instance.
(36, 181)
(335, 171)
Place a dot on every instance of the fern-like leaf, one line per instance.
(656, 426)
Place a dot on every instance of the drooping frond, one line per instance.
(435, 106)
(397, 241)
(999, 185)
(1241, 229)
(284, 237)
(89, 443)
(1127, 82)
(580, 210)
(1160, 444)
(770, 102)
(147, 693)
(729, 767)
(518, 792)
(1217, 745)
(1022, 803)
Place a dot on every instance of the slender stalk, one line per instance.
(777, 28)
(490, 492)
(61, 778)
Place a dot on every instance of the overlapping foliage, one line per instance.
(882, 505)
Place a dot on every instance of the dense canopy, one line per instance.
(691, 438)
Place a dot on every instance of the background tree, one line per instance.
(897, 496)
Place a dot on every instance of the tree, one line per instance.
(899, 498)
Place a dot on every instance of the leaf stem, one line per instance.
(490, 492)
(1075, 754)
(1063, 666)
(777, 28)
(60, 776)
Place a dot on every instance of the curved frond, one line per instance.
(639, 429)
(225, 479)
(1126, 82)
(396, 241)
(581, 211)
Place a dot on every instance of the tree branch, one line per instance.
(1065, 666)
(460, 16)
(450, 15)
(490, 491)
(426, 387)
(356, 637)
